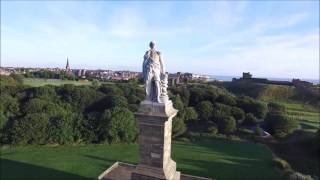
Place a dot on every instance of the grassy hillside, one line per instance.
(217, 158)
(308, 116)
(276, 92)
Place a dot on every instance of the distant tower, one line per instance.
(68, 70)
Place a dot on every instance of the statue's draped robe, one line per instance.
(152, 69)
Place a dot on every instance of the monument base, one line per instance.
(154, 122)
(124, 171)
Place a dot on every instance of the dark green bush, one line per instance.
(227, 125)
(250, 120)
(212, 130)
(205, 109)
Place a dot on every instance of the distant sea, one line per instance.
(229, 78)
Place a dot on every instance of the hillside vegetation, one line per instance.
(271, 92)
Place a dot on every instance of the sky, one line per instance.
(267, 38)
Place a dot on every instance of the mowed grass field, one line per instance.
(217, 158)
(36, 82)
(308, 116)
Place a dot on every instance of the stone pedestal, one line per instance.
(155, 127)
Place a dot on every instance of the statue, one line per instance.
(154, 75)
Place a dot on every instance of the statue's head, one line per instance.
(152, 44)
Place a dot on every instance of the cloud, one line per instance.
(227, 14)
(294, 55)
(219, 37)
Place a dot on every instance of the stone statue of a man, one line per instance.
(154, 76)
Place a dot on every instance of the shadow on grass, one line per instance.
(12, 170)
(224, 159)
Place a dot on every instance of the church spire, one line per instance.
(67, 66)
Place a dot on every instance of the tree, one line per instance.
(222, 109)
(250, 120)
(95, 83)
(205, 109)
(237, 113)
(30, 130)
(178, 104)
(118, 125)
(60, 129)
(211, 94)
(249, 105)
(191, 114)
(80, 97)
(116, 101)
(196, 96)
(47, 93)
(227, 99)
(111, 89)
(178, 127)
(279, 124)
(227, 125)
(9, 105)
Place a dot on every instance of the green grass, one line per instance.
(307, 115)
(217, 158)
(36, 82)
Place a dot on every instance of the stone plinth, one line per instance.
(155, 127)
(123, 171)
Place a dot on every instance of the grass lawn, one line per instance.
(36, 82)
(217, 158)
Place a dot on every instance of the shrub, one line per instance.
(237, 113)
(212, 130)
(250, 120)
(227, 125)
(259, 131)
(191, 114)
(280, 125)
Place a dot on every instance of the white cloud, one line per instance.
(287, 56)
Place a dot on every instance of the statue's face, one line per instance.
(152, 45)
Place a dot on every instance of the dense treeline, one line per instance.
(104, 113)
(68, 114)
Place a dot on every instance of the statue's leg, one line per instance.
(148, 89)
(149, 84)
(157, 85)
